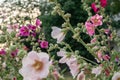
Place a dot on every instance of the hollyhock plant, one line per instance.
(24, 31)
(90, 28)
(94, 7)
(103, 3)
(44, 44)
(57, 34)
(96, 20)
(35, 66)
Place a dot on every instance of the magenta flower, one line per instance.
(2, 52)
(14, 53)
(38, 22)
(32, 27)
(94, 7)
(96, 20)
(44, 44)
(103, 3)
(90, 28)
(24, 31)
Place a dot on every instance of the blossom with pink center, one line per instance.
(24, 31)
(103, 3)
(35, 66)
(57, 34)
(38, 22)
(90, 28)
(81, 76)
(97, 71)
(70, 61)
(96, 20)
(44, 44)
(94, 7)
(2, 52)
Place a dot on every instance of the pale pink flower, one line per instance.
(70, 61)
(90, 28)
(81, 76)
(38, 22)
(96, 20)
(97, 71)
(57, 34)
(73, 66)
(116, 76)
(106, 57)
(93, 40)
(99, 55)
(56, 74)
(35, 66)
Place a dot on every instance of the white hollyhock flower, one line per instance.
(57, 34)
(116, 76)
(35, 66)
(97, 71)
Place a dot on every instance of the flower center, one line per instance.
(38, 65)
(118, 78)
(96, 20)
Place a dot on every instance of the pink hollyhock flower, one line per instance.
(97, 71)
(44, 44)
(106, 57)
(57, 34)
(90, 28)
(99, 55)
(107, 31)
(24, 31)
(32, 27)
(35, 66)
(38, 22)
(2, 52)
(93, 40)
(94, 7)
(56, 75)
(14, 53)
(81, 76)
(96, 20)
(103, 3)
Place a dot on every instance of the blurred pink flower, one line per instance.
(106, 57)
(93, 40)
(24, 31)
(14, 53)
(2, 52)
(107, 31)
(94, 7)
(57, 34)
(90, 28)
(81, 76)
(103, 3)
(35, 66)
(97, 71)
(56, 74)
(96, 20)
(99, 55)
(32, 27)
(38, 22)
(44, 44)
